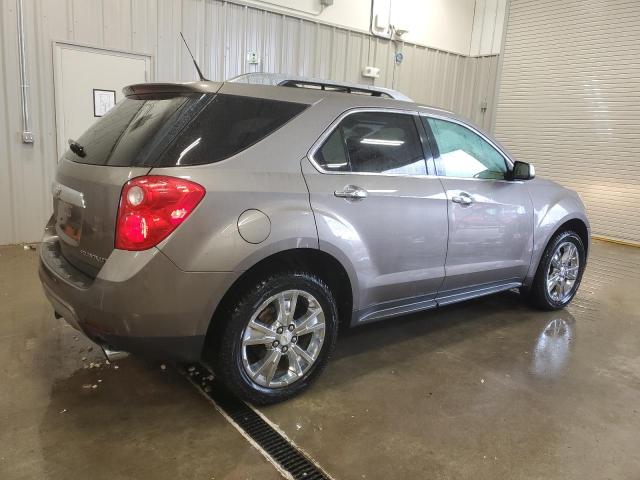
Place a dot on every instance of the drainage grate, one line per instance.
(280, 450)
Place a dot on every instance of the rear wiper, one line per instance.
(76, 148)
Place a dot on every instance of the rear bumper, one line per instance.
(140, 302)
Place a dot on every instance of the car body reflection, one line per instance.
(552, 348)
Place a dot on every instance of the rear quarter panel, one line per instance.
(209, 241)
(267, 177)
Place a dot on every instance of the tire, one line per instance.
(554, 298)
(245, 368)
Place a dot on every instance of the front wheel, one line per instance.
(278, 337)
(559, 273)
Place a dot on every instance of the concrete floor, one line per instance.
(487, 390)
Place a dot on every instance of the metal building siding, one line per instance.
(570, 102)
(220, 34)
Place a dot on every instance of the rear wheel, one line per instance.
(559, 273)
(278, 337)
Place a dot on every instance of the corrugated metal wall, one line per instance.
(220, 33)
(570, 102)
(488, 27)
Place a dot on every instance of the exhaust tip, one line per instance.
(113, 355)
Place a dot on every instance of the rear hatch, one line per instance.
(123, 144)
(157, 125)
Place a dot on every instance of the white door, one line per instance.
(88, 81)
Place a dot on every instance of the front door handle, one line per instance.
(353, 192)
(463, 198)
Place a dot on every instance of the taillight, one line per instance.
(152, 207)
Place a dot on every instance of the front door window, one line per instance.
(464, 153)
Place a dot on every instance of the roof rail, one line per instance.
(332, 87)
(318, 84)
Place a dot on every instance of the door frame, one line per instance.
(57, 46)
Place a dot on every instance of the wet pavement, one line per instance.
(139, 421)
(489, 389)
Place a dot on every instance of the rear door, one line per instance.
(490, 217)
(377, 209)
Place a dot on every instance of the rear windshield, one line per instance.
(181, 130)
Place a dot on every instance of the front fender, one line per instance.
(553, 206)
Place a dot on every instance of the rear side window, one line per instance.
(226, 126)
(181, 130)
(374, 142)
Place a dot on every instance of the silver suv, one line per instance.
(243, 223)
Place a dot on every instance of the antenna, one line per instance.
(194, 60)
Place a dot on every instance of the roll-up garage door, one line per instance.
(569, 102)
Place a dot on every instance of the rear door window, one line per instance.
(374, 142)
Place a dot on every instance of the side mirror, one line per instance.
(523, 171)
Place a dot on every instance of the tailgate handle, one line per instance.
(66, 194)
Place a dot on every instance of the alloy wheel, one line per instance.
(283, 338)
(563, 272)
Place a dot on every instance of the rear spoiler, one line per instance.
(171, 88)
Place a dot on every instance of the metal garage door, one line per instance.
(570, 102)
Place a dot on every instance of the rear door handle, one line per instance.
(352, 191)
(463, 198)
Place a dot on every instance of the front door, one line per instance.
(378, 212)
(490, 217)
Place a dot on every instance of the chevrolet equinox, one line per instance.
(242, 223)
